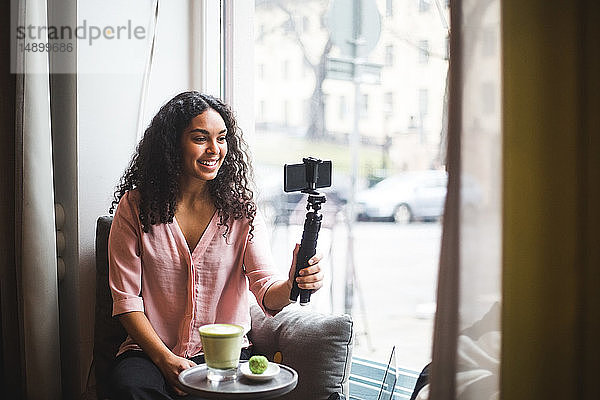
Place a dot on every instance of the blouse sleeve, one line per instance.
(258, 263)
(124, 261)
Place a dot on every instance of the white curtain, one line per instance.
(36, 240)
(466, 349)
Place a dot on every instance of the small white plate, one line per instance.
(271, 371)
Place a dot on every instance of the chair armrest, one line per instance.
(317, 346)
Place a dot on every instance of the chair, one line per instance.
(317, 346)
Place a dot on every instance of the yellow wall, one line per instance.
(551, 284)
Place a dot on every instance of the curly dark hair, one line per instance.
(157, 165)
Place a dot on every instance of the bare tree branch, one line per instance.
(296, 33)
(316, 126)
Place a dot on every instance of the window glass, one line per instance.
(389, 8)
(343, 107)
(365, 104)
(423, 51)
(389, 55)
(381, 222)
(388, 102)
(423, 101)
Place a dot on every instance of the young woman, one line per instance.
(185, 245)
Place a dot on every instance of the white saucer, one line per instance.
(271, 371)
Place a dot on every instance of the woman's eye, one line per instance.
(221, 139)
(199, 139)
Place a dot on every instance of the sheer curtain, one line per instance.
(466, 349)
(35, 225)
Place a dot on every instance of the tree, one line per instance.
(314, 55)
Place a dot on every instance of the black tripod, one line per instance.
(308, 245)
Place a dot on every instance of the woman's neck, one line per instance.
(194, 194)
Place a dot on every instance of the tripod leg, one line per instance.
(352, 285)
(308, 247)
(363, 310)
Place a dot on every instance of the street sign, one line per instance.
(354, 26)
(343, 69)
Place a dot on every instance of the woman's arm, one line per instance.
(139, 328)
(278, 295)
(311, 278)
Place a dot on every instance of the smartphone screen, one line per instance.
(294, 176)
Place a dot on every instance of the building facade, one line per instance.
(402, 113)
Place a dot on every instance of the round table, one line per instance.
(194, 381)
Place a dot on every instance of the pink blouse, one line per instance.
(180, 291)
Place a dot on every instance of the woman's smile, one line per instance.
(209, 163)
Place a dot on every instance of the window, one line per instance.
(306, 111)
(261, 71)
(388, 103)
(423, 51)
(286, 69)
(423, 101)
(262, 106)
(286, 113)
(260, 32)
(389, 55)
(424, 5)
(305, 23)
(343, 110)
(395, 263)
(288, 25)
(389, 8)
(364, 104)
(412, 123)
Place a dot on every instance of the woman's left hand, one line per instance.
(311, 277)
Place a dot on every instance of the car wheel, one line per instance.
(402, 214)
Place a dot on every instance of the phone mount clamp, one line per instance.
(312, 225)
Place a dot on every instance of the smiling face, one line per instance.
(204, 146)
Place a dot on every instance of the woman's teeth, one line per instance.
(208, 163)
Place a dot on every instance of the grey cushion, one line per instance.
(317, 346)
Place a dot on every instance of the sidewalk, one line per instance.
(394, 291)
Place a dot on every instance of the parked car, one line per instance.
(409, 196)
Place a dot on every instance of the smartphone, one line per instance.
(294, 176)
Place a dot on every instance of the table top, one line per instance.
(194, 381)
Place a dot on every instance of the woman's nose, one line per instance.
(213, 147)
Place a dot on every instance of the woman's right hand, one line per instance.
(171, 366)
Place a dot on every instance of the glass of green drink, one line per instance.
(222, 344)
